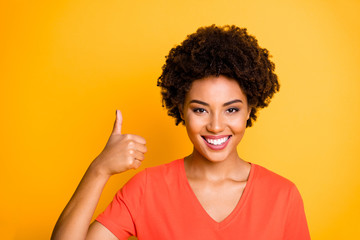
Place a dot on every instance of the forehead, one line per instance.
(214, 88)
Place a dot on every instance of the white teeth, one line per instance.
(217, 142)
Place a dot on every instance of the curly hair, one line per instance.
(213, 51)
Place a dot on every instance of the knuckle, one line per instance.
(130, 143)
(136, 164)
(130, 160)
(131, 152)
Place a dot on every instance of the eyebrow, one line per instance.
(225, 104)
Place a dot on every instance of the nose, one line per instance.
(215, 123)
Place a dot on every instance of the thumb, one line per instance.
(118, 123)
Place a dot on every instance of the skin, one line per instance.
(216, 106)
(217, 177)
(121, 153)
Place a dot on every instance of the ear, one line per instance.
(249, 111)
(181, 107)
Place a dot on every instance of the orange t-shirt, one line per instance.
(158, 203)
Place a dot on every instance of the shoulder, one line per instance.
(143, 182)
(165, 174)
(165, 168)
(274, 189)
(268, 177)
(271, 183)
(278, 195)
(157, 174)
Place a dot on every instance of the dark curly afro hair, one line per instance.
(213, 51)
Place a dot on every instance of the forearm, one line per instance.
(74, 221)
(121, 153)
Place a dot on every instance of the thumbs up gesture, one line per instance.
(122, 151)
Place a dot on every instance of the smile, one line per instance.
(216, 142)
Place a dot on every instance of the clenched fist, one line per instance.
(122, 151)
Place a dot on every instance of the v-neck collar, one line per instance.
(195, 201)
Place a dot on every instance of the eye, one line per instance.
(199, 110)
(232, 110)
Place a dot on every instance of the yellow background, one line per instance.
(65, 66)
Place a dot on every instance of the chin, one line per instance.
(215, 157)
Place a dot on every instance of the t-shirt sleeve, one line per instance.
(296, 225)
(120, 215)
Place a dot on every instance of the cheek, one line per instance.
(194, 125)
(238, 125)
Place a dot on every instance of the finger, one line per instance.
(139, 147)
(118, 123)
(139, 156)
(136, 138)
(136, 164)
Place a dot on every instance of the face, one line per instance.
(215, 113)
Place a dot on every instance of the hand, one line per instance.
(122, 151)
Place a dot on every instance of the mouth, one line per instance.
(216, 142)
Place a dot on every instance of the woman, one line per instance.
(213, 83)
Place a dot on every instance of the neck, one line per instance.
(198, 166)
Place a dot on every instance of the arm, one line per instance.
(121, 153)
(296, 224)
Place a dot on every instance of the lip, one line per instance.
(216, 147)
(215, 136)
